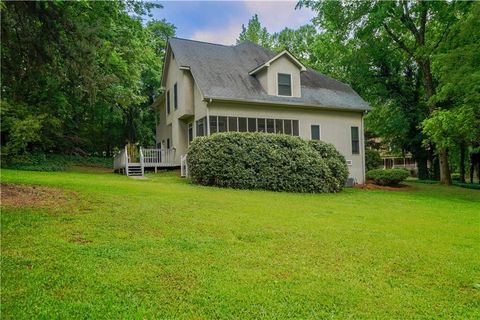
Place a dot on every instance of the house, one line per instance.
(209, 88)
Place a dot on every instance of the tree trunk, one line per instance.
(462, 162)
(445, 177)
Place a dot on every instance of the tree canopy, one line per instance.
(78, 77)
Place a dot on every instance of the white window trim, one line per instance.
(291, 84)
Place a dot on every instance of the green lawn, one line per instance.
(164, 248)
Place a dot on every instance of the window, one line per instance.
(222, 124)
(232, 124)
(175, 96)
(201, 127)
(355, 141)
(168, 143)
(284, 84)
(315, 132)
(168, 102)
(213, 124)
(270, 125)
(190, 132)
(252, 124)
(261, 125)
(242, 124)
(295, 127)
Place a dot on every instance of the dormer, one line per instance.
(280, 76)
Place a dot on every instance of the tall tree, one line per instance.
(78, 76)
(416, 28)
(255, 33)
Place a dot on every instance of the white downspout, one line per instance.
(363, 151)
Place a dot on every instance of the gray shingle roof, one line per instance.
(221, 72)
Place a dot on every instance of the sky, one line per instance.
(221, 21)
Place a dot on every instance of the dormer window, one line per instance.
(284, 81)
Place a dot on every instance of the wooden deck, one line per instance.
(149, 158)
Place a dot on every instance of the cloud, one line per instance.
(221, 22)
(276, 15)
(226, 35)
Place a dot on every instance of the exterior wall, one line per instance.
(335, 126)
(281, 65)
(163, 131)
(191, 107)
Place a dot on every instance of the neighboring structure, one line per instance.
(209, 88)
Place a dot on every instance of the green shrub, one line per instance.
(265, 161)
(335, 161)
(389, 177)
(372, 159)
(54, 162)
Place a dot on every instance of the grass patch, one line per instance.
(165, 248)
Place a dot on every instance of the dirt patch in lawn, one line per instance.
(371, 186)
(35, 196)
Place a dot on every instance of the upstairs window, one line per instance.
(355, 141)
(168, 102)
(284, 84)
(175, 96)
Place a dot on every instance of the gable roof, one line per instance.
(222, 73)
(281, 54)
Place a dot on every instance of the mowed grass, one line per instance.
(167, 249)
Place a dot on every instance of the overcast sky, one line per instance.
(221, 21)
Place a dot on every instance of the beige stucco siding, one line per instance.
(281, 65)
(335, 126)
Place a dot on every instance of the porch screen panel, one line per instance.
(252, 125)
(232, 124)
(278, 126)
(222, 124)
(295, 127)
(213, 124)
(270, 125)
(287, 126)
(242, 124)
(261, 125)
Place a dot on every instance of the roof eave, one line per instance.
(289, 104)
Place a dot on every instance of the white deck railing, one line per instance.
(153, 158)
(120, 160)
(158, 157)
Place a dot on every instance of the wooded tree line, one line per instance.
(417, 63)
(79, 77)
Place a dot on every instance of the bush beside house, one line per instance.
(372, 159)
(266, 161)
(389, 177)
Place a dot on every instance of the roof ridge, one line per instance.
(205, 42)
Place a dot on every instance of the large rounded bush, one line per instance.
(388, 177)
(335, 161)
(263, 161)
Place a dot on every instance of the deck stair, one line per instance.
(135, 169)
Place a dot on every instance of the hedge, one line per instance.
(388, 177)
(255, 160)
